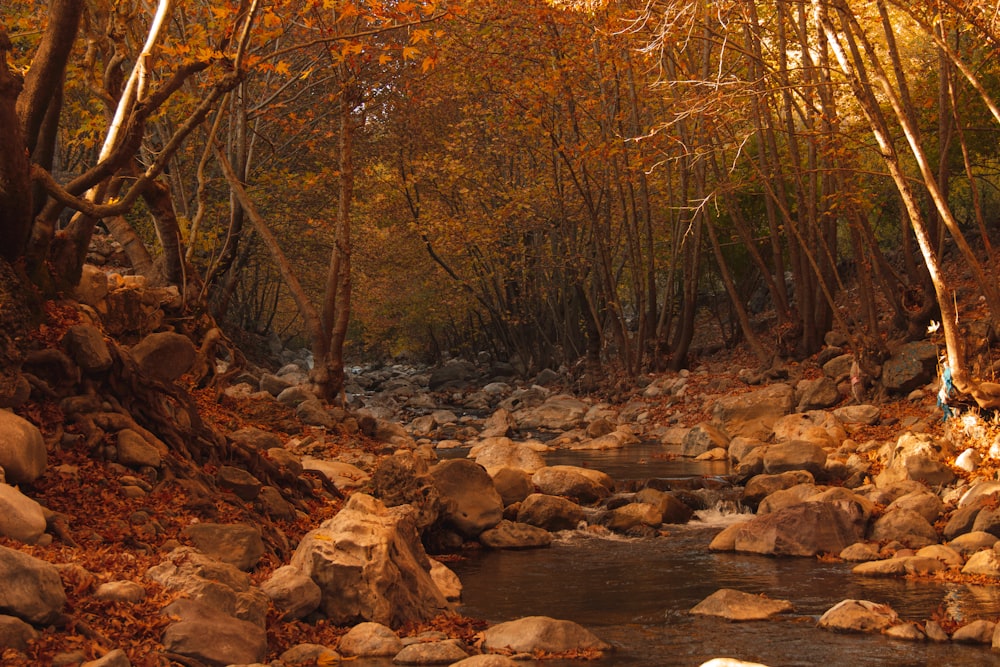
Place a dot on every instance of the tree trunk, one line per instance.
(15, 169)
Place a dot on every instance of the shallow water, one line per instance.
(635, 595)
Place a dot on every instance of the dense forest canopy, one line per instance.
(548, 182)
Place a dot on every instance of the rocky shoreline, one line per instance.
(899, 494)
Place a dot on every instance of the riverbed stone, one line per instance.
(904, 526)
(985, 563)
(550, 512)
(979, 631)
(502, 452)
(703, 438)
(816, 426)
(753, 414)
(628, 517)
(486, 660)
(917, 456)
(514, 535)
(761, 486)
(807, 529)
(512, 484)
(858, 616)
(737, 605)
(789, 497)
(370, 640)
(444, 652)
(584, 485)
(969, 543)
(541, 633)
(470, 503)
(292, 592)
(817, 394)
(925, 503)
(560, 412)
(670, 508)
(795, 455)
(164, 355)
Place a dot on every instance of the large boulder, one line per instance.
(916, 456)
(795, 455)
(550, 512)
(753, 414)
(502, 452)
(239, 544)
(558, 413)
(212, 637)
(806, 529)
(541, 633)
(22, 449)
(702, 438)
(585, 485)
(32, 589)
(370, 565)
(858, 616)
(469, 501)
(912, 365)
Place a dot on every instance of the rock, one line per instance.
(22, 450)
(541, 633)
(918, 457)
(308, 655)
(977, 632)
(970, 543)
(558, 413)
(924, 503)
(795, 455)
(789, 497)
(212, 637)
(816, 426)
(165, 355)
(135, 451)
(513, 485)
(907, 631)
(736, 605)
(500, 424)
(868, 415)
(501, 452)
(859, 552)
(239, 545)
(807, 529)
(370, 565)
(295, 396)
(817, 394)
(906, 527)
(584, 485)
(443, 652)
(752, 414)
(550, 512)
(370, 640)
(486, 660)
(513, 535)
(838, 368)
(985, 563)
(633, 515)
(21, 518)
(120, 591)
(292, 592)
(470, 503)
(730, 662)
(238, 481)
(761, 486)
(911, 366)
(447, 581)
(32, 589)
(858, 616)
(313, 412)
(256, 439)
(342, 475)
(453, 375)
(726, 539)
(669, 507)
(273, 385)
(93, 286)
(703, 438)
(85, 345)
(15, 634)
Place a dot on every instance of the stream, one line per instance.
(635, 593)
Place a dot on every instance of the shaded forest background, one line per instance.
(580, 183)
